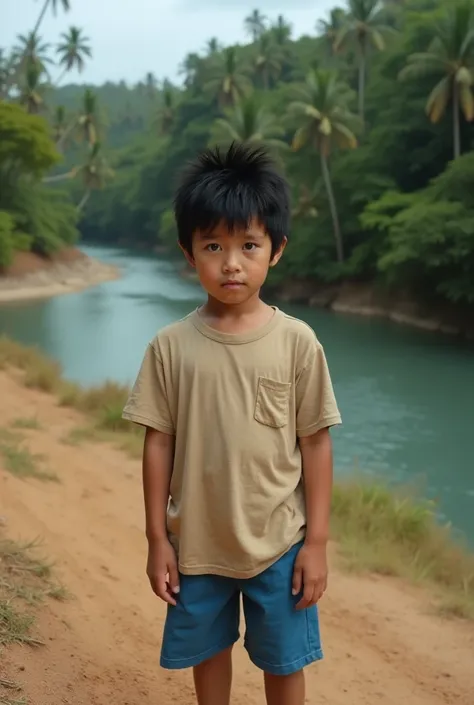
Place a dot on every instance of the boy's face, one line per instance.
(232, 266)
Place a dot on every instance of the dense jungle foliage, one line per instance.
(370, 116)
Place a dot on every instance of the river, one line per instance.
(406, 396)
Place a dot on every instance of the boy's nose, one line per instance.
(231, 264)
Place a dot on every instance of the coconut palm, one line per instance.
(66, 5)
(326, 123)
(190, 68)
(95, 173)
(229, 82)
(31, 50)
(73, 50)
(88, 119)
(269, 60)
(365, 28)
(248, 121)
(32, 89)
(281, 30)
(305, 206)
(212, 46)
(449, 60)
(255, 24)
(166, 114)
(330, 29)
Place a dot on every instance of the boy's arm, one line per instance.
(162, 566)
(316, 413)
(310, 574)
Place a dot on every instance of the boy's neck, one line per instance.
(237, 318)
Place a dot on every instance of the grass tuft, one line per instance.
(390, 531)
(19, 461)
(25, 579)
(28, 422)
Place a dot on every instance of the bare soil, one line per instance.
(383, 644)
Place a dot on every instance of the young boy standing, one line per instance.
(237, 402)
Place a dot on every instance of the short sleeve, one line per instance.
(148, 403)
(316, 406)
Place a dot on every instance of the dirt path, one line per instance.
(381, 643)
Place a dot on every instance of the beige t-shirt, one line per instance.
(237, 404)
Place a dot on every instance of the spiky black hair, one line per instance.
(232, 187)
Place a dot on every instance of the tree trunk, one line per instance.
(362, 70)
(65, 135)
(333, 207)
(40, 18)
(456, 122)
(61, 76)
(83, 200)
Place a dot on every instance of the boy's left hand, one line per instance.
(310, 574)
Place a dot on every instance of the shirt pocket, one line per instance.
(272, 402)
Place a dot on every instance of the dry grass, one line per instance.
(18, 459)
(28, 422)
(25, 581)
(392, 532)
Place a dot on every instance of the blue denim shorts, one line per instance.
(279, 639)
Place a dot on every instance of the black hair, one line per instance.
(233, 187)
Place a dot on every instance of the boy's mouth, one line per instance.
(232, 284)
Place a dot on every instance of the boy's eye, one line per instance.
(213, 247)
(249, 246)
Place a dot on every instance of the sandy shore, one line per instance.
(56, 278)
(382, 641)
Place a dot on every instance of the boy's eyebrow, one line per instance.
(211, 235)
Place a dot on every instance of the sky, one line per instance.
(131, 37)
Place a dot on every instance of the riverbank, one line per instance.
(32, 277)
(384, 639)
(375, 302)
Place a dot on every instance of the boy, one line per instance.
(237, 401)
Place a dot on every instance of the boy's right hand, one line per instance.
(162, 570)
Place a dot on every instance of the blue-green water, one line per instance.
(406, 397)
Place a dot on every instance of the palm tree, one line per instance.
(213, 47)
(88, 119)
(255, 24)
(281, 30)
(73, 51)
(59, 123)
(150, 85)
(450, 61)
(248, 121)
(31, 89)
(190, 68)
(330, 29)
(229, 82)
(31, 50)
(327, 123)
(268, 61)
(95, 173)
(167, 110)
(365, 27)
(66, 5)
(305, 204)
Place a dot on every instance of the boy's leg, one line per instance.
(213, 679)
(280, 639)
(200, 632)
(285, 690)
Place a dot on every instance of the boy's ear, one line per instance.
(189, 257)
(277, 256)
